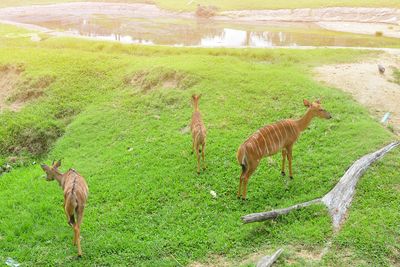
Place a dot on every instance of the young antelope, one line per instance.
(75, 196)
(198, 132)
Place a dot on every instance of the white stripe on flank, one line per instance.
(271, 140)
(291, 128)
(280, 131)
(277, 142)
(265, 142)
(258, 146)
(251, 144)
(284, 127)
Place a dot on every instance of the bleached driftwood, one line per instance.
(338, 200)
(262, 216)
(267, 261)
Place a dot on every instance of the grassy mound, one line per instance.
(147, 206)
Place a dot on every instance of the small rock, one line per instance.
(11, 262)
(381, 69)
(35, 38)
(185, 130)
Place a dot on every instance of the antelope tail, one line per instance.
(242, 157)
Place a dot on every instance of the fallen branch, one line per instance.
(267, 261)
(338, 200)
(262, 216)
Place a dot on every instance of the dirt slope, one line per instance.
(367, 85)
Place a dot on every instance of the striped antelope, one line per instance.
(198, 132)
(270, 139)
(75, 196)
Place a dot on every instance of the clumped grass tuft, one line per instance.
(29, 137)
(378, 34)
(31, 88)
(161, 77)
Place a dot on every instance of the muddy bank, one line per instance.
(82, 9)
(364, 82)
(388, 30)
(343, 14)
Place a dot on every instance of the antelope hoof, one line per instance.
(79, 256)
(283, 173)
(291, 177)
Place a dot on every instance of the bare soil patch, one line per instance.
(377, 29)
(9, 77)
(329, 14)
(363, 81)
(15, 92)
(162, 78)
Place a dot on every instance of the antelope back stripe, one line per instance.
(269, 139)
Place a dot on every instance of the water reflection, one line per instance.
(197, 33)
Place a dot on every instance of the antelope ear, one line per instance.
(318, 101)
(193, 96)
(199, 96)
(58, 164)
(306, 103)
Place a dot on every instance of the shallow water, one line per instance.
(204, 33)
(146, 24)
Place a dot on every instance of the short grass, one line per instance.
(396, 74)
(147, 205)
(230, 4)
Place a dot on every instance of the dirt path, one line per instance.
(363, 81)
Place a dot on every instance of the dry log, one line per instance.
(262, 216)
(267, 261)
(338, 200)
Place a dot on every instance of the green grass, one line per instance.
(396, 74)
(231, 4)
(147, 206)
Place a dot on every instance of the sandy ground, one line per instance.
(387, 30)
(370, 88)
(342, 14)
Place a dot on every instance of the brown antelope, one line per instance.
(270, 139)
(198, 132)
(75, 196)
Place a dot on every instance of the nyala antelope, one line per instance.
(198, 132)
(270, 139)
(75, 196)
